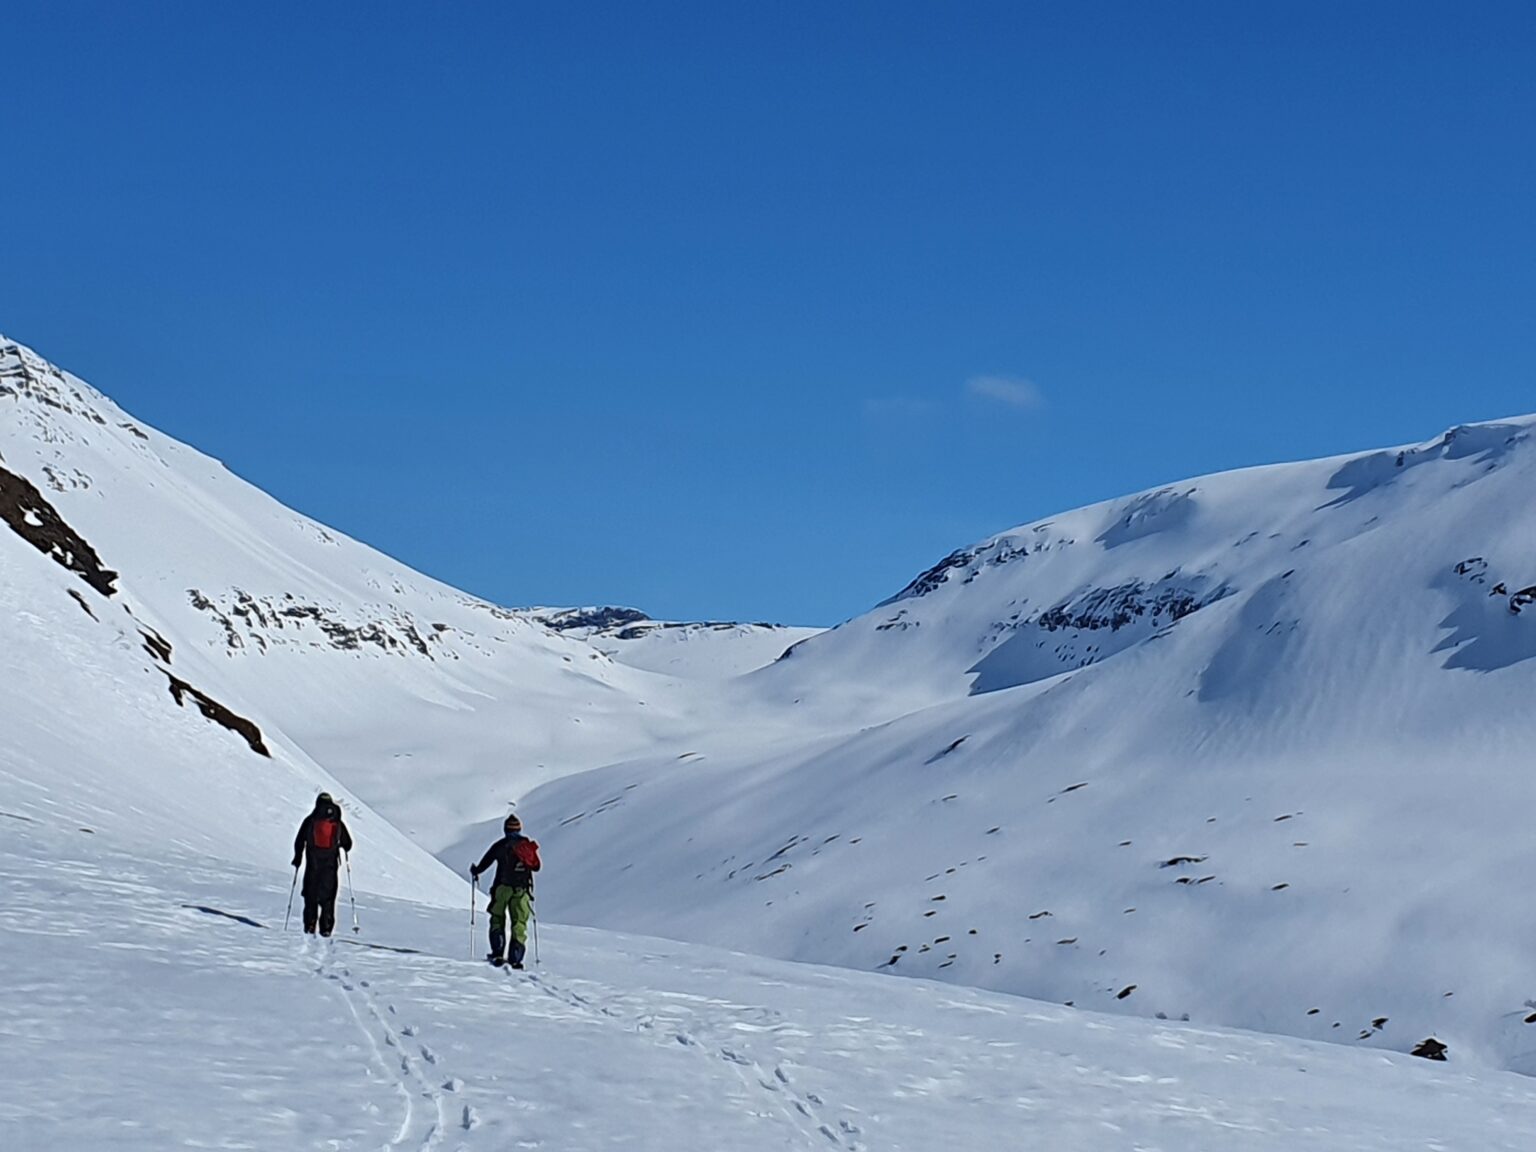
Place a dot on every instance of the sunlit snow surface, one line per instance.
(1253, 748)
(130, 1020)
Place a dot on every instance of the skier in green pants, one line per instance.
(516, 858)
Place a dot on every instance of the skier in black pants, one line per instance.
(322, 838)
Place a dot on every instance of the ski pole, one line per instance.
(347, 856)
(291, 891)
(474, 891)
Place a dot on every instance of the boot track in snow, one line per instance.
(400, 1055)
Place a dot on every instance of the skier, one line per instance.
(517, 859)
(322, 838)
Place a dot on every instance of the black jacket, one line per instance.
(510, 871)
(304, 845)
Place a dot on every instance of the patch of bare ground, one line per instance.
(35, 520)
(218, 713)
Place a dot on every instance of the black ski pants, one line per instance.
(320, 888)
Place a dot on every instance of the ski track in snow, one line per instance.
(635, 1043)
(394, 1056)
(803, 1112)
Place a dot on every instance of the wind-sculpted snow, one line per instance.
(1254, 650)
(969, 563)
(1088, 628)
(1482, 636)
(1486, 444)
(1166, 510)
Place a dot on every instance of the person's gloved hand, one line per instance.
(474, 871)
(297, 860)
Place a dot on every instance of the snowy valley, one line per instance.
(1018, 850)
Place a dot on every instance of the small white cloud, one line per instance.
(1014, 391)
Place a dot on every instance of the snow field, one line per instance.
(132, 1020)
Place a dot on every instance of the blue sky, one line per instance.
(754, 311)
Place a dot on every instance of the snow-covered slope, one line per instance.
(169, 1010)
(1253, 748)
(92, 734)
(110, 726)
(1082, 587)
(431, 705)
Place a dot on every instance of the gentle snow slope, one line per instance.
(144, 1017)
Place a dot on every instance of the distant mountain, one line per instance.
(697, 650)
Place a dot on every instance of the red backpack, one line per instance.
(527, 853)
(323, 833)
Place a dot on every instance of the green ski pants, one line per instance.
(516, 901)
